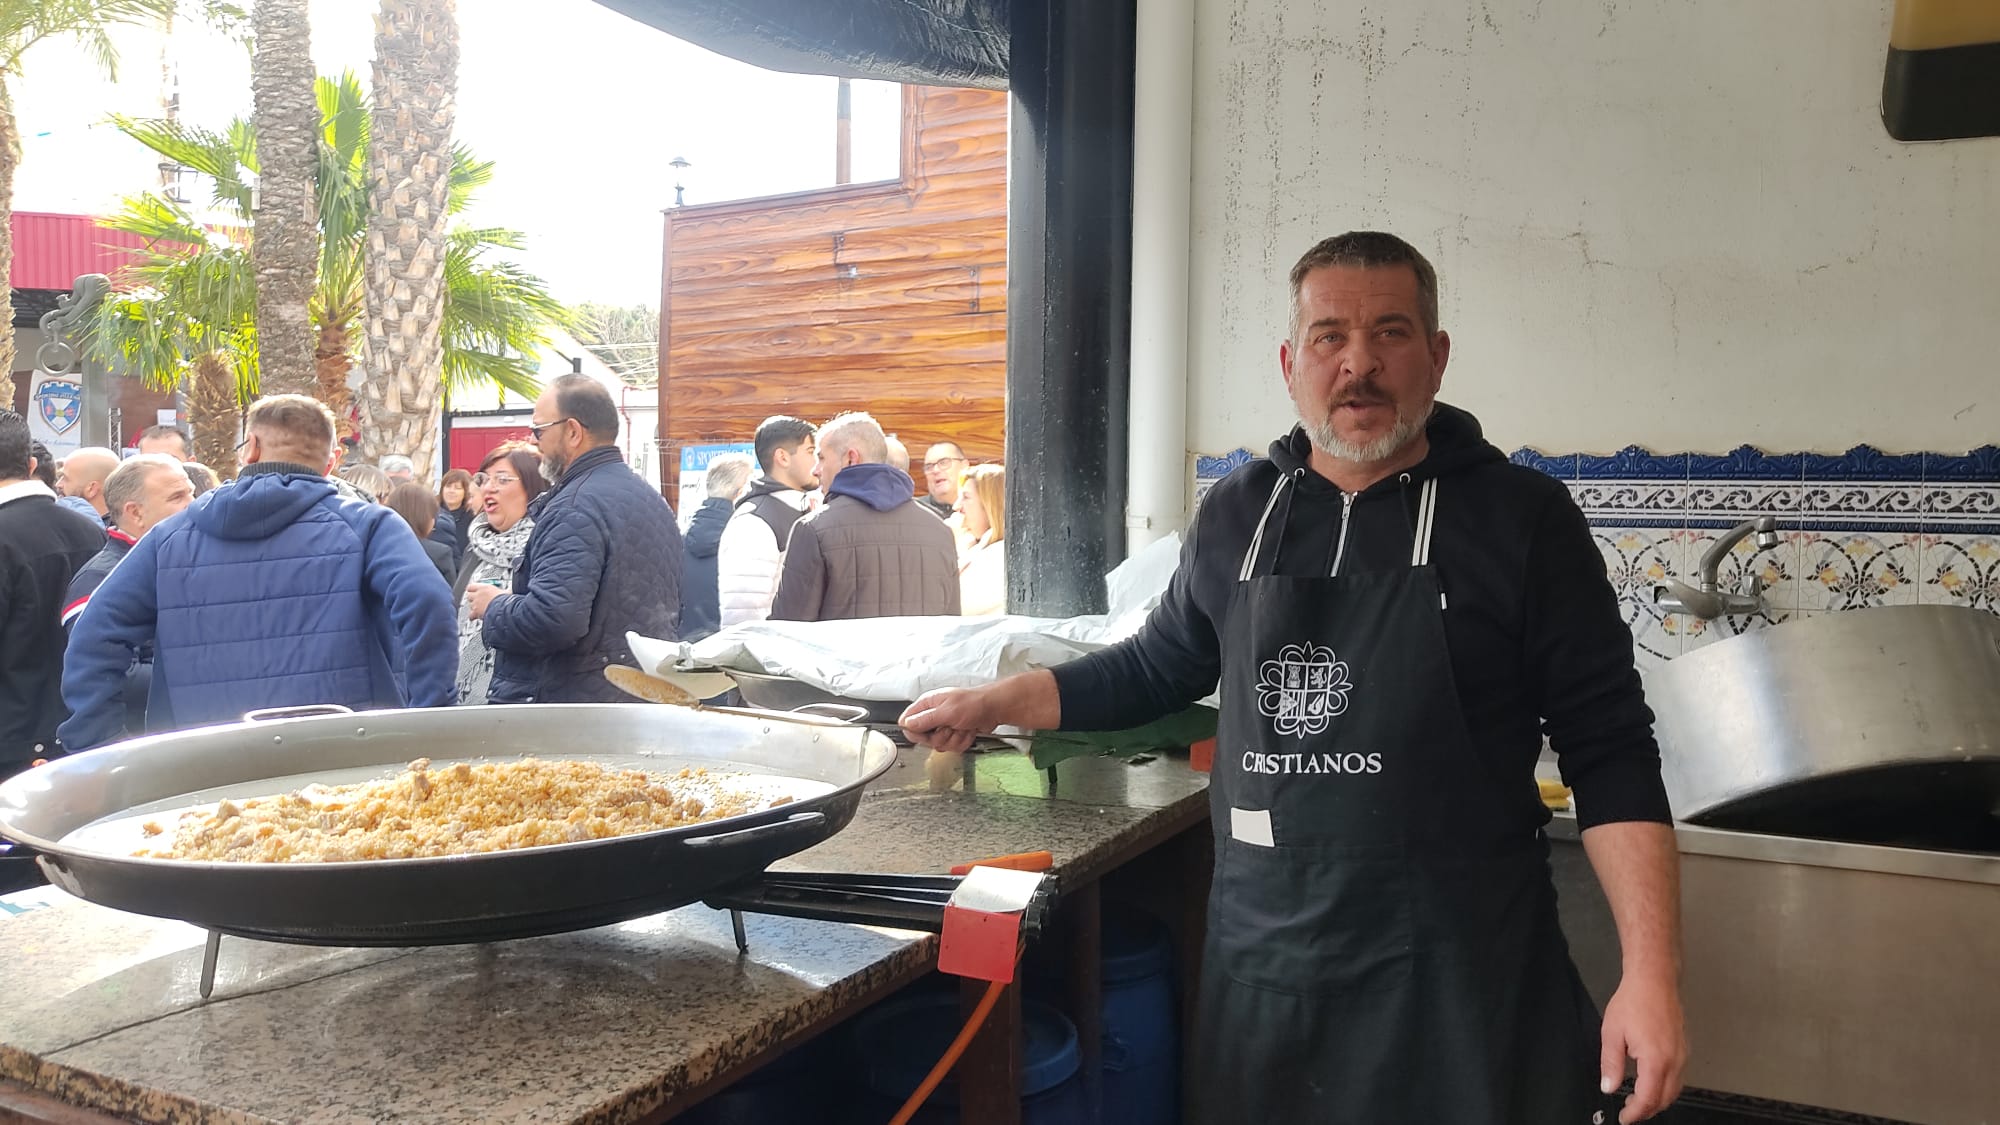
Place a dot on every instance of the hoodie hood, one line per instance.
(765, 486)
(881, 487)
(1457, 443)
(265, 499)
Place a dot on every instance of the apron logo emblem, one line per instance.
(1304, 688)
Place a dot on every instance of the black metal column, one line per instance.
(1069, 300)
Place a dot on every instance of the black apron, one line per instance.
(1382, 940)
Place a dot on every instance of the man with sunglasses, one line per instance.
(604, 558)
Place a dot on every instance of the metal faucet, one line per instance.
(1711, 601)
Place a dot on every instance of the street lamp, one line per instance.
(680, 166)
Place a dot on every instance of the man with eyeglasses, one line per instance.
(944, 464)
(604, 558)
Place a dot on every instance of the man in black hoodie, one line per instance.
(1396, 615)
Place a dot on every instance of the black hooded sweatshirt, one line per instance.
(1537, 643)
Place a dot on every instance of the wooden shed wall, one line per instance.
(887, 297)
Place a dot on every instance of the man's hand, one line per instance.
(1644, 1022)
(478, 596)
(1638, 864)
(949, 720)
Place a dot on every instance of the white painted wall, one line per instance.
(1676, 223)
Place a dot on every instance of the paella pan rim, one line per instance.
(441, 899)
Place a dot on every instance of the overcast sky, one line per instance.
(581, 108)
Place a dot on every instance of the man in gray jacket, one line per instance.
(871, 551)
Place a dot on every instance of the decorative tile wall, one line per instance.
(1857, 529)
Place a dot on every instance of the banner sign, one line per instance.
(55, 411)
(694, 474)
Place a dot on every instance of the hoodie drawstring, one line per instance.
(1298, 476)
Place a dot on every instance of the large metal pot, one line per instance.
(1875, 724)
(444, 900)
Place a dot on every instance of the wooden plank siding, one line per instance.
(887, 297)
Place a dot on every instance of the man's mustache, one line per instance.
(1363, 398)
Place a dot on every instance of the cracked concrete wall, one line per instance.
(1675, 223)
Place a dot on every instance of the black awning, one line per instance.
(925, 42)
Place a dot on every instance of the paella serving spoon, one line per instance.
(655, 689)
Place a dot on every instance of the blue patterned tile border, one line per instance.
(1861, 490)
(1209, 469)
(1980, 465)
(1215, 468)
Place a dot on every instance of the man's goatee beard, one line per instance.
(552, 468)
(1405, 431)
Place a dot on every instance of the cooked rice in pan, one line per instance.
(460, 810)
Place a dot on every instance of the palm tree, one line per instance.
(285, 250)
(409, 173)
(191, 300)
(23, 24)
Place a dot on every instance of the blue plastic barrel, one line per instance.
(895, 1044)
(1141, 1036)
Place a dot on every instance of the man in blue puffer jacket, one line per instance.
(272, 592)
(604, 558)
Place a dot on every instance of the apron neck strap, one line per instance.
(1420, 532)
(1420, 528)
(1257, 539)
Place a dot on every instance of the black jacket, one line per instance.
(1537, 642)
(701, 601)
(449, 530)
(604, 558)
(440, 556)
(139, 676)
(42, 546)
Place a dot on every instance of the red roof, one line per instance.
(50, 251)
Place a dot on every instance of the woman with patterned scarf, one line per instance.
(510, 478)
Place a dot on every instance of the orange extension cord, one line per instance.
(951, 1054)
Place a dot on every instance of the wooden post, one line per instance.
(989, 1075)
(1083, 951)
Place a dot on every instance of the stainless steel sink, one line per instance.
(1880, 725)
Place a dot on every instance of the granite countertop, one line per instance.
(102, 1009)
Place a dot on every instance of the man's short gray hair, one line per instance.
(859, 432)
(727, 476)
(395, 464)
(1368, 250)
(297, 425)
(127, 482)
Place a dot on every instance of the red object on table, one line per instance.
(979, 945)
(1201, 756)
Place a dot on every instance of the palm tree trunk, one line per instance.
(284, 248)
(409, 166)
(10, 158)
(215, 413)
(331, 364)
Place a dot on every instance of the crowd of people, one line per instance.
(141, 594)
